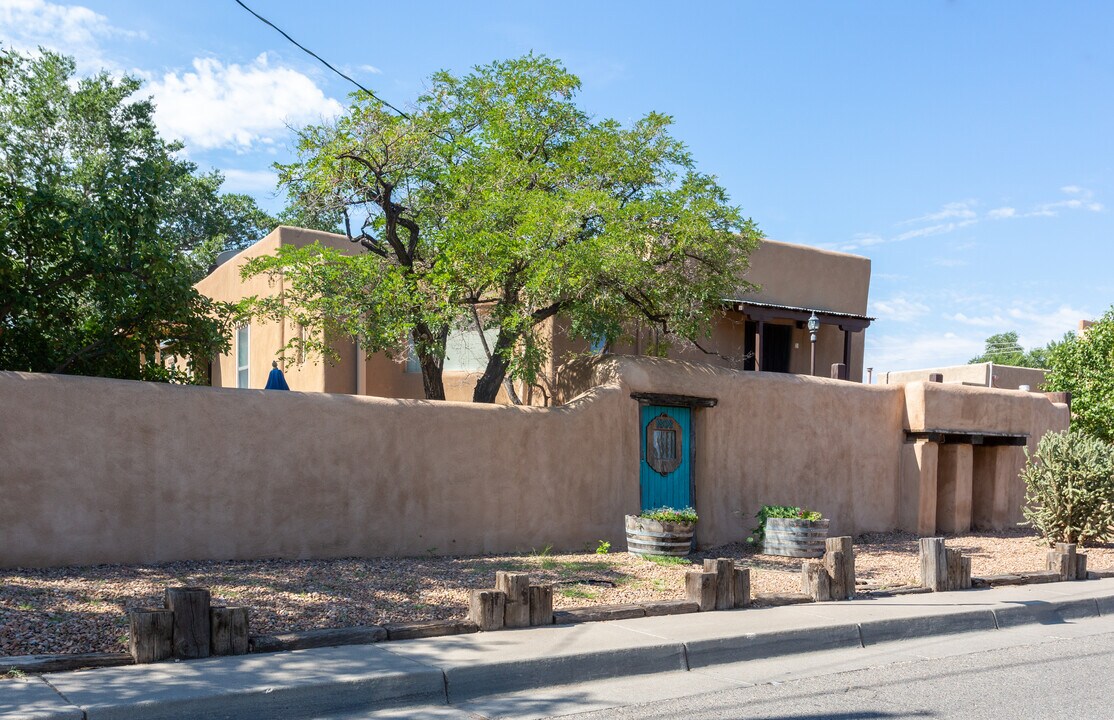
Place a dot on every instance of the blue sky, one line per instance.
(965, 147)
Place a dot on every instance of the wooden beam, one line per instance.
(674, 400)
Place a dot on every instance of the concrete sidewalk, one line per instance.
(329, 681)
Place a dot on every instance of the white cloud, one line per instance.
(1038, 324)
(899, 309)
(948, 262)
(1082, 199)
(996, 321)
(939, 229)
(69, 29)
(248, 181)
(371, 69)
(924, 350)
(1001, 213)
(236, 106)
(954, 210)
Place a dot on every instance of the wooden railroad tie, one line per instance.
(943, 568)
(721, 585)
(512, 603)
(1064, 559)
(833, 576)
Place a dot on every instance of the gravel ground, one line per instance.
(82, 609)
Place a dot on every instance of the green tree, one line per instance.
(498, 202)
(1004, 349)
(1084, 366)
(102, 230)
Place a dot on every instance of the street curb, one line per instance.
(907, 628)
(1047, 613)
(752, 646)
(463, 683)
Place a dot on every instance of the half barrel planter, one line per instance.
(652, 537)
(792, 537)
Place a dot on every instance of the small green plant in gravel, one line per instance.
(671, 515)
(666, 560)
(603, 548)
(1069, 489)
(578, 592)
(13, 673)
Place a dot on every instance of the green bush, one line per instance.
(671, 515)
(1069, 488)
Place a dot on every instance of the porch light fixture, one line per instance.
(813, 328)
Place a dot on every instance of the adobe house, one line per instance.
(765, 330)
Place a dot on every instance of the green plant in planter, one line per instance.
(671, 515)
(758, 534)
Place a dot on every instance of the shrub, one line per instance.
(671, 515)
(1069, 488)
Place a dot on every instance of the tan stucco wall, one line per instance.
(1007, 377)
(97, 470)
(809, 277)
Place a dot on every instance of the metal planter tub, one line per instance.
(651, 537)
(791, 537)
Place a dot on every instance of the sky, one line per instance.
(964, 147)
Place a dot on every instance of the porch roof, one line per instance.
(771, 311)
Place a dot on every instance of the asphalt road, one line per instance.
(1062, 670)
(1062, 679)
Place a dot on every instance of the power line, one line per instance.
(320, 59)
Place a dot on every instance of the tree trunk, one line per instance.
(487, 387)
(432, 363)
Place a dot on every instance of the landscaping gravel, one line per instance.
(83, 609)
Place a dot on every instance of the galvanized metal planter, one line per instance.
(792, 537)
(651, 537)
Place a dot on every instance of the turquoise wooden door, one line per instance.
(665, 472)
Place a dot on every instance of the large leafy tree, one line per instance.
(497, 202)
(1004, 349)
(103, 231)
(1084, 366)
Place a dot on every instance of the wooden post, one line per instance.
(965, 572)
(1081, 566)
(834, 560)
(955, 568)
(516, 586)
(191, 620)
(815, 581)
(845, 584)
(486, 608)
(741, 578)
(724, 569)
(228, 630)
(700, 587)
(1062, 560)
(541, 604)
(151, 632)
(934, 564)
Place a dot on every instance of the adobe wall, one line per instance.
(1007, 377)
(96, 471)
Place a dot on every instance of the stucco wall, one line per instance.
(1007, 377)
(95, 470)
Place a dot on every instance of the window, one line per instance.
(464, 351)
(243, 343)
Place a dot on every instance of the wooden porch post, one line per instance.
(759, 327)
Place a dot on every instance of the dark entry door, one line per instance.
(776, 340)
(666, 469)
